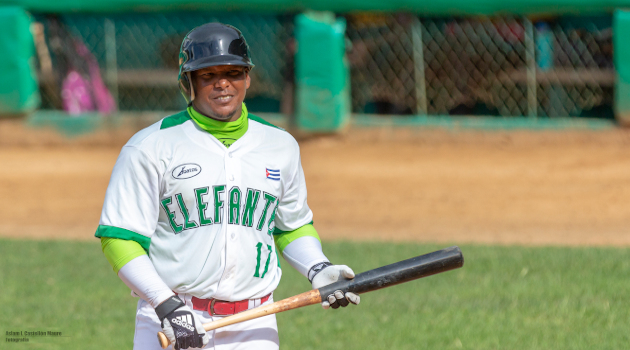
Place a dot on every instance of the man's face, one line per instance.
(220, 91)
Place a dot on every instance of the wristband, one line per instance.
(169, 305)
(317, 268)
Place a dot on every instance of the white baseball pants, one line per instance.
(260, 333)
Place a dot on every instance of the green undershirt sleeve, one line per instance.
(120, 251)
(283, 238)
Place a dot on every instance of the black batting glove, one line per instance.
(181, 325)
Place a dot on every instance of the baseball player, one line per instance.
(200, 204)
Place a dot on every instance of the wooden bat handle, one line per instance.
(382, 277)
(308, 298)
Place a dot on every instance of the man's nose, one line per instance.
(222, 83)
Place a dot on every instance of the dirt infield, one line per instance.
(559, 188)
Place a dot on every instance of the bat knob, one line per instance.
(164, 342)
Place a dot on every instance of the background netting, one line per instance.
(400, 63)
(138, 55)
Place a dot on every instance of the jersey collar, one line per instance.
(226, 132)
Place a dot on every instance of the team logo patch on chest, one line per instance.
(186, 171)
(273, 174)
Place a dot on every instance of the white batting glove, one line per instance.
(325, 273)
(181, 325)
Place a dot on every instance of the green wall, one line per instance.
(18, 85)
(321, 72)
(621, 43)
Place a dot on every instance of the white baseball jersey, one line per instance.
(207, 212)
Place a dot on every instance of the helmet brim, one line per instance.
(222, 60)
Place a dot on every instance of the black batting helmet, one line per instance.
(211, 44)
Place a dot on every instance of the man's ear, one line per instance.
(248, 81)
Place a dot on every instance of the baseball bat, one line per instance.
(379, 278)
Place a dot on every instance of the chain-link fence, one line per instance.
(400, 63)
(403, 64)
(138, 55)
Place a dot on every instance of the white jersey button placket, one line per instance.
(231, 163)
(227, 282)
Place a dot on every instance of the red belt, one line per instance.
(221, 308)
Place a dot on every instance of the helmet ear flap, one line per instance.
(190, 85)
(185, 83)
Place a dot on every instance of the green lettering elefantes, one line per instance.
(218, 202)
(251, 202)
(188, 224)
(171, 215)
(235, 205)
(202, 205)
(269, 199)
(271, 228)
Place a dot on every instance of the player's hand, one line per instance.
(326, 274)
(182, 327)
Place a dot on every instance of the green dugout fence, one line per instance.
(319, 62)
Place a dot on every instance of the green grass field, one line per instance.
(503, 298)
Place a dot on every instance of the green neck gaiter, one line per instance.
(226, 132)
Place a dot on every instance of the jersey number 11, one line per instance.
(259, 249)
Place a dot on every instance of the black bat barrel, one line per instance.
(400, 272)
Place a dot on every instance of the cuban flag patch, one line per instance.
(273, 174)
